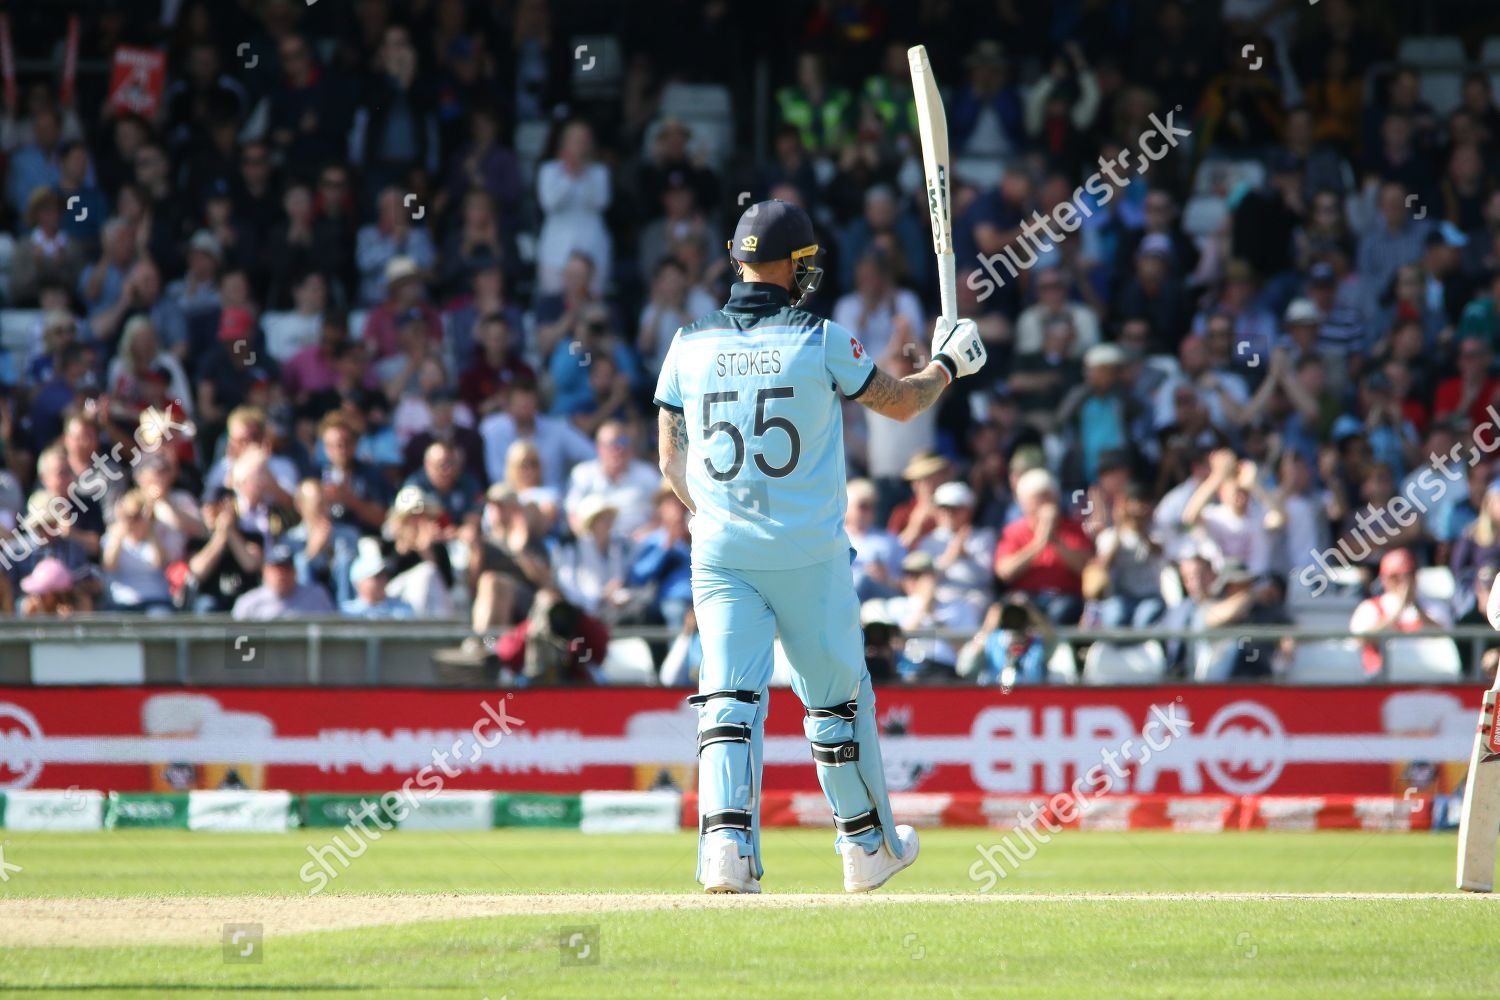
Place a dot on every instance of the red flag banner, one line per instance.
(137, 81)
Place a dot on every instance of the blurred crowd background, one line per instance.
(356, 309)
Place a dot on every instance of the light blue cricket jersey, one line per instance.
(759, 383)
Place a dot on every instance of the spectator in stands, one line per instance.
(912, 520)
(1473, 390)
(1479, 543)
(1393, 238)
(281, 596)
(314, 368)
(196, 293)
(557, 644)
(323, 546)
(1227, 512)
(919, 608)
(988, 120)
(395, 128)
(961, 551)
(1041, 555)
(229, 370)
(1465, 509)
(625, 482)
(244, 431)
(51, 591)
(47, 253)
(1242, 599)
(356, 493)
(1013, 646)
(573, 191)
(870, 309)
(135, 559)
(403, 301)
(141, 359)
(1052, 303)
(493, 367)
(1397, 608)
(423, 574)
(673, 304)
(1124, 576)
(877, 553)
(663, 559)
(368, 575)
(474, 241)
(225, 564)
(443, 476)
(591, 564)
(1155, 294)
(559, 446)
(1480, 658)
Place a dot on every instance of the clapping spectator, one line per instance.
(1397, 608)
(573, 190)
(663, 559)
(324, 547)
(135, 560)
(1041, 555)
(1125, 572)
(616, 476)
(961, 551)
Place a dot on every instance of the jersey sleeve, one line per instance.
(668, 393)
(848, 363)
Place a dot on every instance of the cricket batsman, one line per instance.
(752, 442)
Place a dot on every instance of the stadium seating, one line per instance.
(1133, 663)
(1426, 51)
(1331, 661)
(629, 661)
(1422, 659)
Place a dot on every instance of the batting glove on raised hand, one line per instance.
(958, 347)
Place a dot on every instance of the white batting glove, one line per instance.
(958, 347)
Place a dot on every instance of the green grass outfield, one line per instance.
(1192, 941)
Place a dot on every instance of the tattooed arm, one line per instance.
(672, 447)
(904, 398)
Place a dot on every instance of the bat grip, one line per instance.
(948, 286)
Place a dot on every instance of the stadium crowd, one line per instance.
(318, 338)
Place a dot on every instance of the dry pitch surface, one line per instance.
(193, 920)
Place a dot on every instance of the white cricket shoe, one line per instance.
(724, 871)
(864, 872)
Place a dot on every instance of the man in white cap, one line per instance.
(369, 575)
(961, 551)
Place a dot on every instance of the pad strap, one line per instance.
(846, 711)
(835, 754)
(855, 825)
(748, 697)
(727, 733)
(728, 819)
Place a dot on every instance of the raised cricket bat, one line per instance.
(1479, 823)
(932, 128)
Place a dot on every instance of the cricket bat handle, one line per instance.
(948, 286)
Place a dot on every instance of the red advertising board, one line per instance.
(1232, 740)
